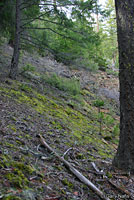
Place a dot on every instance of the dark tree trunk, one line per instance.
(97, 16)
(124, 158)
(15, 59)
(55, 6)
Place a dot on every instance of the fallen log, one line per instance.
(82, 178)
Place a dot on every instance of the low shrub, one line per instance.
(87, 64)
(28, 68)
(68, 85)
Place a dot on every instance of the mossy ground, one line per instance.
(64, 121)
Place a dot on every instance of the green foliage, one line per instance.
(79, 99)
(100, 118)
(98, 103)
(102, 62)
(108, 34)
(109, 120)
(85, 63)
(116, 130)
(7, 16)
(69, 34)
(68, 85)
(101, 115)
(71, 39)
(11, 197)
(25, 87)
(28, 68)
(67, 183)
(114, 73)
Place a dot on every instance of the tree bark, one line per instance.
(124, 158)
(97, 17)
(15, 58)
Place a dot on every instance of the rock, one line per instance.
(109, 93)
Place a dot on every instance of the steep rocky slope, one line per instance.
(63, 108)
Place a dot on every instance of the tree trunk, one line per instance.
(97, 16)
(15, 58)
(97, 22)
(55, 6)
(124, 158)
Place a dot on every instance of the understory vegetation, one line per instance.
(70, 85)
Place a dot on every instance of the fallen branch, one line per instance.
(52, 198)
(67, 152)
(121, 189)
(82, 178)
(95, 167)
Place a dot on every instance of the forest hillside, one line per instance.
(64, 132)
(77, 116)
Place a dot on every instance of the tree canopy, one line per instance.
(67, 29)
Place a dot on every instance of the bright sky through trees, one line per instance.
(102, 2)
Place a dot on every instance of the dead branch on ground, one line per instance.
(82, 178)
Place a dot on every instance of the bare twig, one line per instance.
(121, 189)
(95, 156)
(96, 173)
(74, 171)
(67, 152)
(38, 147)
(32, 178)
(95, 167)
(121, 174)
(52, 198)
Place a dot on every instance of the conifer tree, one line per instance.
(51, 18)
(124, 158)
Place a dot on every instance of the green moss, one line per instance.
(13, 118)
(23, 167)
(9, 145)
(109, 175)
(59, 168)
(18, 175)
(5, 161)
(12, 127)
(83, 129)
(17, 179)
(67, 183)
(28, 136)
(11, 197)
(80, 156)
(87, 93)
(25, 87)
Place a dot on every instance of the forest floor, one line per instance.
(39, 102)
